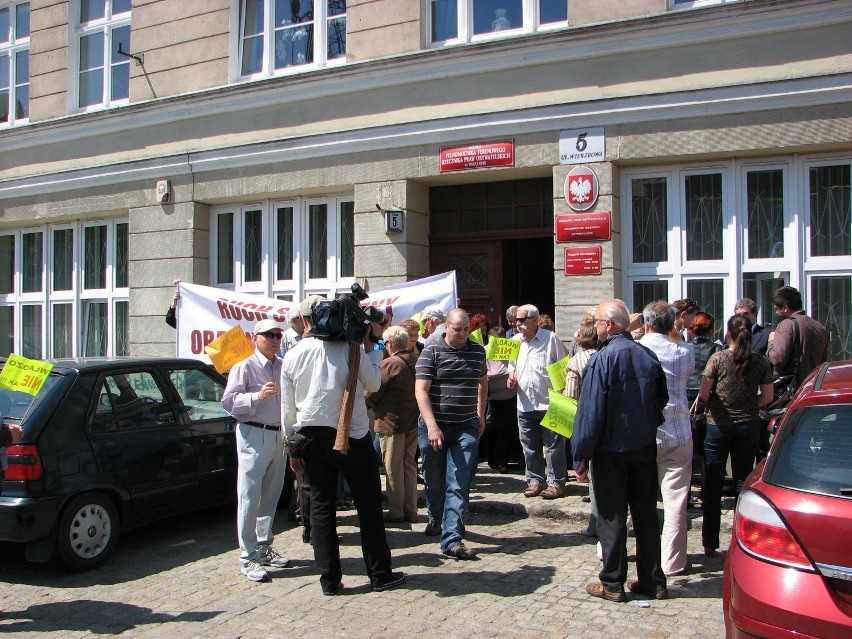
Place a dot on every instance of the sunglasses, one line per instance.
(522, 319)
(271, 335)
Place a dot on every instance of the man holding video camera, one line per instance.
(317, 378)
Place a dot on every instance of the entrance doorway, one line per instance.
(498, 238)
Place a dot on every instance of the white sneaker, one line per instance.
(254, 571)
(268, 556)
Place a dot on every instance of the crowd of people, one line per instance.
(425, 389)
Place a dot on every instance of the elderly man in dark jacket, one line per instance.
(621, 404)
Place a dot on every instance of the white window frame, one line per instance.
(268, 69)
(300, 285)
(530, 9)
(678, 5)
(11, 49)
(78, 31)
(78, 297)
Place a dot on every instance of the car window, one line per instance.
(131, 400)
(16, 404)
(814, 451)
(201, 393)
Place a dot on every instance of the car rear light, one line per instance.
(24, 463)
(761, 532)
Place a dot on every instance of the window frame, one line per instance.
(300, 285)
(268, 70)
(11, 49)
(78, 31)
(530, 10)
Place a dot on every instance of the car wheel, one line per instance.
(88, 531)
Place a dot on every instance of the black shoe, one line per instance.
(660, 592)
(589, 533)
(329, 590)
(306, 535)
(432, 529)
(459, 551)
(502, 469)
(388, 582)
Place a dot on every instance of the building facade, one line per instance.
(262, 146)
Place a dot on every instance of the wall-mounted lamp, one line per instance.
(164, 191)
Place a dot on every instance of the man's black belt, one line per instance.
(264, 426)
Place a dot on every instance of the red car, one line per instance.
(788, 572)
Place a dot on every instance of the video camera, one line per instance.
(344, 319)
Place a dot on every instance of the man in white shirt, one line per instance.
(313, 380)
(674, 436)
(545, 474)
(292, 335)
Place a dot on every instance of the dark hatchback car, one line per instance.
(788, 572)
(110, 444)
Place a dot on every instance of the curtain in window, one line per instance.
(444, 20)
(95, 335)
(31, 331)
(63, 326)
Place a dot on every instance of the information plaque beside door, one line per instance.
(584, 260)
(584, 227)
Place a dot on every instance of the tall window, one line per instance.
(64, 290)
(277, 35)
(285, 249)
(14, 63)
(454, 21)
(740, 229)
(103, 74)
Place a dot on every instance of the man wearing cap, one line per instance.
(293, 334)
(252, 397)
(436, 326)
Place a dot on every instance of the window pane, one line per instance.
(554, 11)
(31, 330)
(121, 257)
(646, 292)
(765, 213)
(122, 332)
(63, 259)
(347, 239)
(91, 69)
(252, 243)
(294, 46)
(94, 261)
(95, 336)
(91, 10)
(831, 205)
(225, 249)
(4, 25)
(33, 258)
(708, 294)
(200, 392)
(22, 21)
(7, 330)
(444, 20)
(831, 304)
(63, 325)
(318, 241)
(284, 258)
(7, 264)
(252, 54)
(497, 15)
(4, 88)
(649, 220)
(22, 86)
(703, 217)
(336, 38)
(120, 6)
(120, 64)
(335, 7)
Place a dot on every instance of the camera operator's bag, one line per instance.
(785, 386)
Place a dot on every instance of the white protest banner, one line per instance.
(205, 313)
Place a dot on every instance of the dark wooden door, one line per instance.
(479, 274)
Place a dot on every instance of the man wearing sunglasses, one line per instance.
(252, 396)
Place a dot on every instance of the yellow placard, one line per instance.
(503, 349)
(24, 375)
(556, 372)
(476, 336)
(228, 349)
(418, 317)
(560, 414)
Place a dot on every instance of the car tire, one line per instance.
(88, 531)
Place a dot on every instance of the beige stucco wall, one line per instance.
(49, 76)
(382, 28)
(582, 12)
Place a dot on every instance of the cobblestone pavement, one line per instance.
(180, 578)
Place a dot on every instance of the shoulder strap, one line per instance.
(405, 361)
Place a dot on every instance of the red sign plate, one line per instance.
(584, 260)
(584, 227)
(581, 188)
(477, 156)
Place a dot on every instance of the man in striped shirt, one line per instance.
(451, 388)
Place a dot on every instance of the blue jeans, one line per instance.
(551, 470)
(740, 440)
(448, 474)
